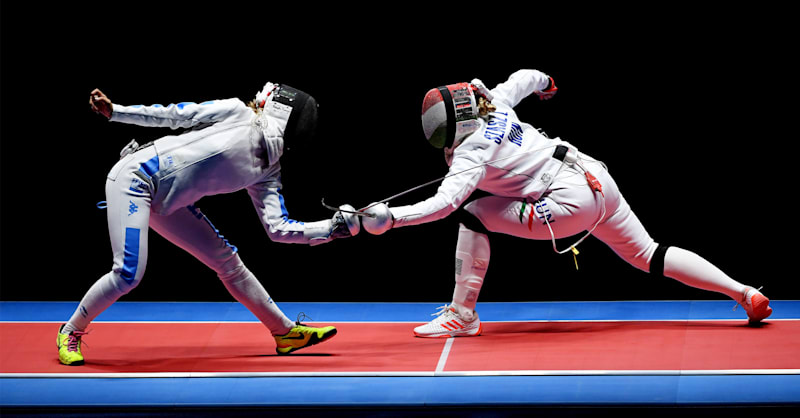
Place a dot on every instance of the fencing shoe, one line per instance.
(302, 336)
(449, 323)
(756, 305)
(69, 347)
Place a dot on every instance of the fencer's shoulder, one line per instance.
(213, 110)
(233, 103)
(502, 108)
(225, 103)
(473, 147)
(232, 107)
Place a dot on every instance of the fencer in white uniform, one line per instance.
(541, 188)
(227, 146)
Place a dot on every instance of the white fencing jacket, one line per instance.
(228, 148)
(505, 157)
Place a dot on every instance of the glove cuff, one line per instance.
(351, 219)
(551, 86)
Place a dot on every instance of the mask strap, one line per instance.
(450, 111)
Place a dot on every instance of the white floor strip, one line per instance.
(445, 353)
(438, 373)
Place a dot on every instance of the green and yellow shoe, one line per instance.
(69, 347)
(302, 336)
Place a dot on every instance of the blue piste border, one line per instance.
(399, 312)
(310, 392)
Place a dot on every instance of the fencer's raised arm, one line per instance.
(462, 179)
(271, 209)
(181, 115)
(520, 85)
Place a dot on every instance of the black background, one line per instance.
(693, 111)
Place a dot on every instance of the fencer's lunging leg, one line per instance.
(472, 262)
(245, 288)
(192, 231)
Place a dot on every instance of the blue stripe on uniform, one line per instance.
(199, 215)
(285, 212)
(149, 167)
(130, 261)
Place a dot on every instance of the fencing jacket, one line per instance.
(227, 148)
(505, 157)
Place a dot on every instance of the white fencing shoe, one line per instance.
(449, 324)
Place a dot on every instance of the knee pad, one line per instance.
(470, 221)
(657, 260)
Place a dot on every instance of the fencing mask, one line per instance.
(448, 113)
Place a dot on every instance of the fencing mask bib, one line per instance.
(297, 109)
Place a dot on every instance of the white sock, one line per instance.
(246, 289)
(693, 270)
(472, 261)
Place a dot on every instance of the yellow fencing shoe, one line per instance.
(69, 347)
(302, 336)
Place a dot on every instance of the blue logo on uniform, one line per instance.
(137, 186)
(543, 213)
(515, 134)
(132, 208)
(496, 127)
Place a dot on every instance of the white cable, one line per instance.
(599, 219)
(457, 173)
(553, 237)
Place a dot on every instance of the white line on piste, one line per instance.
(445, 353)
(438, 373)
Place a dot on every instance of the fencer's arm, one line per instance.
(522, 84)
(174, 116)
(269, 205)
(274, 216)
(463, 178)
